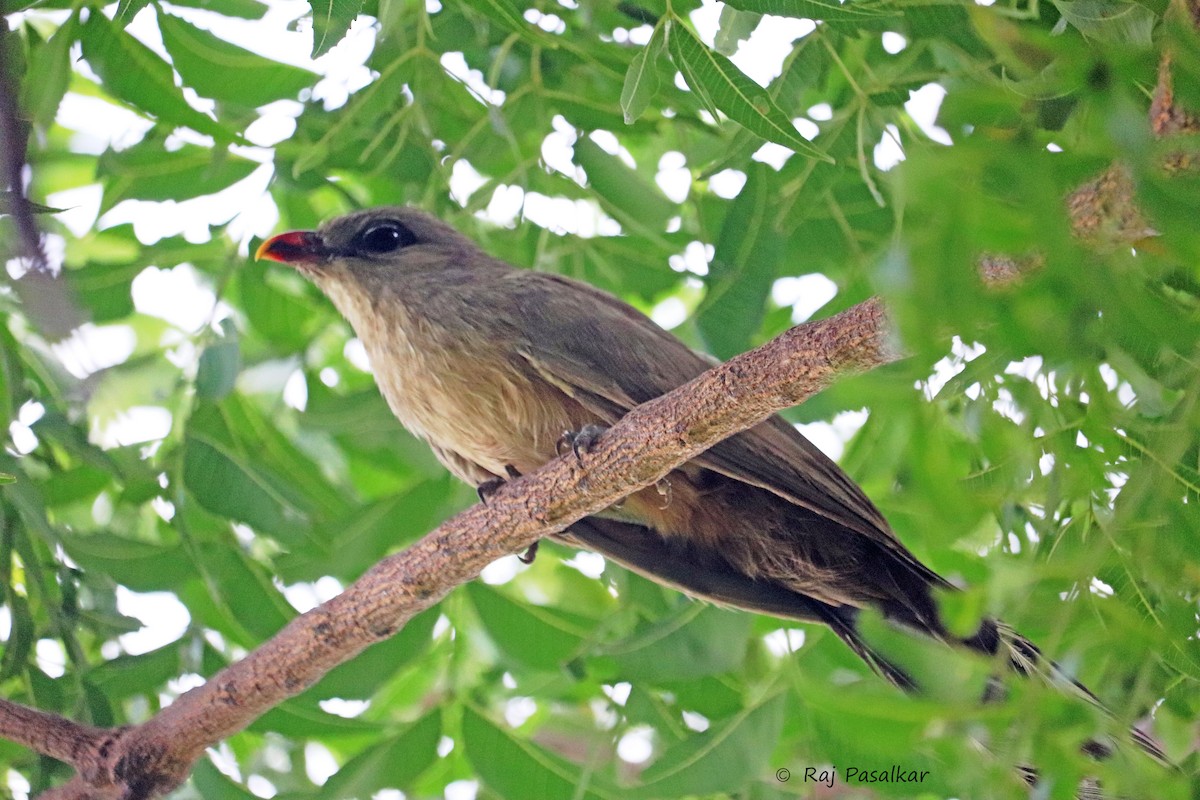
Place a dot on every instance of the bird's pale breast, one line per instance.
(477, 407)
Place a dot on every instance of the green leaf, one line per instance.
(286, 471)
(220, 365)
(126, 675)
(734, 28)
(206, 63)
(142, 566)
(331, 19)
(362, 676)
(543, 638)
(743, 269)
(243, 588)
(857, 13)
(127, 10)
(11, 390)
(348, 544)
(804, 71)
(509, 15)
(12, 6)
(695, 641)
(23, 633)
(148, 172)
(362, 423)
(48, 75)
(212, 784)
(391, 763)
(641, 79)
(728, 88)
(1152, 400)
(723, 758)
(229, 486)
(294, 719)
(952, 23)
(242, 9)
(286, 318)
(517, 769)
(56, 427)
(131, 72)
(106, 289)
(635, 202)
(81, 483)
(218, 369)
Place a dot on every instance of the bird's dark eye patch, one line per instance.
(384, 237)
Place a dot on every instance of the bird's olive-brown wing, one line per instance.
(692, 570)
(610, 357)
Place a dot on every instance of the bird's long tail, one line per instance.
(843, 620)
(705, 575)
(998, 640)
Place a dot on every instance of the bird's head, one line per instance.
(367, 246)
(363, 261)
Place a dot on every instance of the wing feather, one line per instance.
(610, 358)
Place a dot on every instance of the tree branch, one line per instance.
(46, 299)
(12, 156)
(150, 759)
(48, 734)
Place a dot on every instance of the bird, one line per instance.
(491, 365)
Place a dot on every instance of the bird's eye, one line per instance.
(384, 237)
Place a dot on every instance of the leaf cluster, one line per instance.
(1040, 444)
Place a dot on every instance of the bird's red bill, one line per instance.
(294, 247)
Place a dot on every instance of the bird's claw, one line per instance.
(581, 441)
(489, 487)
(529, 555)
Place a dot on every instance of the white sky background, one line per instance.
(178, 296)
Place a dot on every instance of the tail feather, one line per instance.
(705, 575)
(1026, 659)
(998, 639)
(842, 620)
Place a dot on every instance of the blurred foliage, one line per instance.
(1052, 462)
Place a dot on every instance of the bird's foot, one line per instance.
(581, 441)
(489, 487)
(529, 555)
